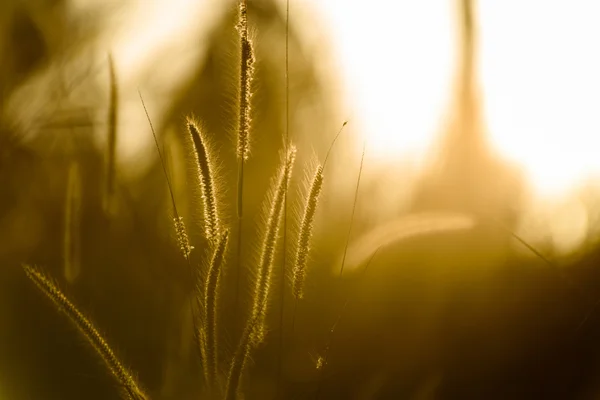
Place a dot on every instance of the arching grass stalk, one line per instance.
(131, 388)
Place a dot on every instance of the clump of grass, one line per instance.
(210, 308)
(72, 266)
(131, 389)
(207, 186)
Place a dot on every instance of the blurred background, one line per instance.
(480, 124)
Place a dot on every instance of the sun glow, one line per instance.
(539, 73)
(539, 69)
(541, 76)
(396, 59)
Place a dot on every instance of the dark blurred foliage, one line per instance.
(448, 315)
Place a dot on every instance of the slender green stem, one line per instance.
(286, 144)
(362, 159)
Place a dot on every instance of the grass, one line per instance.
(226, 364)
(217, 235)
(131, 389)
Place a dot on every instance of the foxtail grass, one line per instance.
(210, 308)
(183, 243)
(245, 90)
(207, 185)
(255, 328)
(243, 129)
(71, 244)
(306, 228)
(111, 147)
(130, 387)
(240, 358)
(180, 230)
(265, 266)
(244, 99)
(322, 360)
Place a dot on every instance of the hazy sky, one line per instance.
(540, 71)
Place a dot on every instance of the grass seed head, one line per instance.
(306, 227)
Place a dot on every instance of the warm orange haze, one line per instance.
(320, 199)
(538, 105)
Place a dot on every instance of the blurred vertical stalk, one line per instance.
(111, 138)
(72, 224)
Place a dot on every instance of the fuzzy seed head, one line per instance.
(306, 227)
(207, 186)
(272, 231)
(182, 238)
(245, 90)
(320, 363)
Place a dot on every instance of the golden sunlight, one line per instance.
(540, 85)
(538, 69)
(397, 60)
